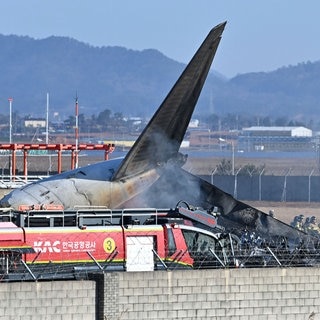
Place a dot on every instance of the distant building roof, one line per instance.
(275, 128)
(291, 131)
(35, 123)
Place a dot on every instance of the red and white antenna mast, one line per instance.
(76, 132)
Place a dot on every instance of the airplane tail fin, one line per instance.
(161, 139)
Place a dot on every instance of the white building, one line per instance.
(275, 139)
(35, 123)
(279, 131)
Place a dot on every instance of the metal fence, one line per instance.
(13, 182)
(269, 188)
(286, 188)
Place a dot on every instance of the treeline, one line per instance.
(118, 123)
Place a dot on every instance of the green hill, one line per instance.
(135, 82)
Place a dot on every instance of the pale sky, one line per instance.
(260, 35)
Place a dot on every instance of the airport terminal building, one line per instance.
(275, 139)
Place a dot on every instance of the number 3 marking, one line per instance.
(109, 245)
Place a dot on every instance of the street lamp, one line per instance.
(212, 174)
(235, 192)
(232, 146)
(260, 183)
(309, 183)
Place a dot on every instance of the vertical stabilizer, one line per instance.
(161, 139)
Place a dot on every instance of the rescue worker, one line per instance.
(271, 213)
(305, 226)
(294, 221)
(297, 222)
(300, 219)
(312, 226)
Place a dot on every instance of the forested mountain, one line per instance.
(135, 82)
(289, 91)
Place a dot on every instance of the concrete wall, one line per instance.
(275, 293)
(55, 300)
(214, 294)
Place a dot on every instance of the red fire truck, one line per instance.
(47, 244)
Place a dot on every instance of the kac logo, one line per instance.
(46, 246)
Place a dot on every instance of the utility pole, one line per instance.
(10, 138)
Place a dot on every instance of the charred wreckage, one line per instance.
(38, 244)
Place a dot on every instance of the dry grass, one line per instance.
(204, 166)
(284, 211)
